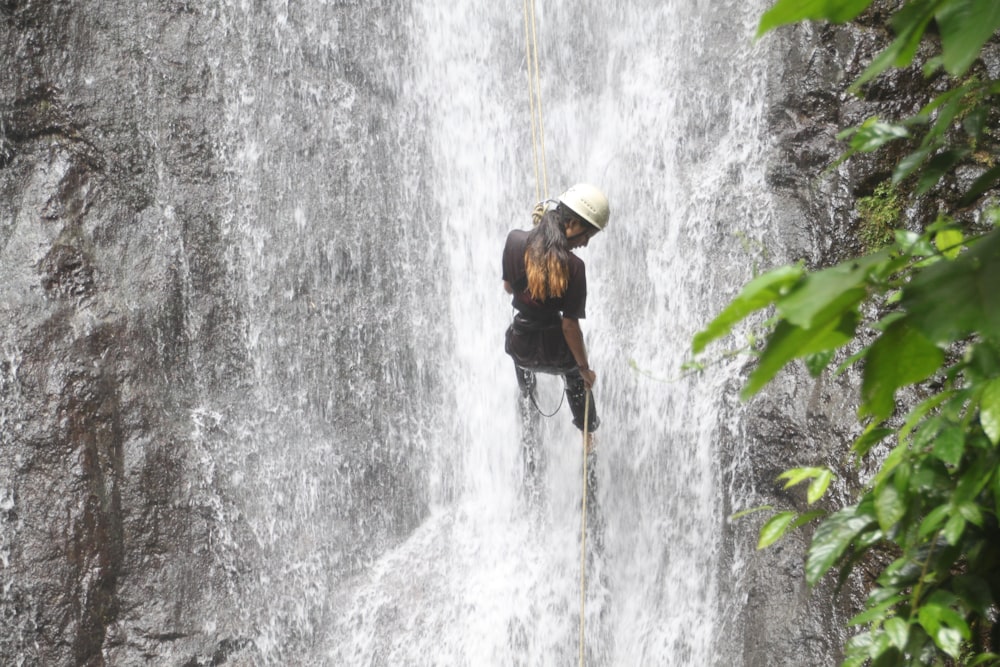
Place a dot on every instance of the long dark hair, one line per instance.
(546, 259)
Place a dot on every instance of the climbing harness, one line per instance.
(534, 402)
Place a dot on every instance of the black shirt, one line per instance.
(572, 304)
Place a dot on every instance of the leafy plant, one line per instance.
(933, 505)
(879, 216)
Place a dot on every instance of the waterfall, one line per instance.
(379, 155)
(347, 458)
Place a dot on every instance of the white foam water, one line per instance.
(659, 103)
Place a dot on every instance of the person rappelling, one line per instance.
(549, 287)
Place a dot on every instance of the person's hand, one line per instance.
(589, 377)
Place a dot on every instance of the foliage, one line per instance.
(879, 216)
(919, 314)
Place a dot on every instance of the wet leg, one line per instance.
(532, 458)
(576, 394)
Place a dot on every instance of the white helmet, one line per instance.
(588, 202)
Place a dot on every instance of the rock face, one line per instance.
(797, 420)
(109, 299)
(124, 350)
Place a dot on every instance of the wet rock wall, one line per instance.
(111, 291)
(799, 420)
(128, 489)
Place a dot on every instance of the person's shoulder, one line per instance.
(517, 237)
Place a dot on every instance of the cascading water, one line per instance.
(379, 154)
(344, 455)
(372, 469)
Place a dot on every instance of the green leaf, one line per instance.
(984, 361)
(952, 299)
(828, 293)
(884, 323)
(775, 527)
(900, 357)
(989, 410)
(931, 478)
(891, 462)
(871, 437)
(918, 413)
(971, 513)
(933, 520)
(850, 361)
(970, 484)
(954, 528)
(759, 293)
(949, 640)
(890, 506)
(821, 478)
(877, 611)
(832, 538)
(932, 65)
(792, 11)
(879, 64)
(898, 631)
(817, 363)
(944, 625)
(873, 134)
(913, 243)
(819, 486)
(788, 342)
(883, 653)
(909, 24)
(949, 446)
(798, 475)
(996, 494)
(965, 27)
(949, 242)
(953, 104)
(859, 649)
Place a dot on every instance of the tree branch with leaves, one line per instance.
(934, 500)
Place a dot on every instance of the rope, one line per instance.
(583, 527)
(542, 191)
(534, 402)
(535, 102)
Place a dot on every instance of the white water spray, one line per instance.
(659, 103)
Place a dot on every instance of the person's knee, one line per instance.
(525, 380)
(594, 423)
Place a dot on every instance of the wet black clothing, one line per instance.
(572, 304)
(535, 339)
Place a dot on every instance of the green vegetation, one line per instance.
(927, 521)
(879, 214)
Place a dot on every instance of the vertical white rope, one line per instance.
(538, 97)
(529, 58)
(583, 527)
